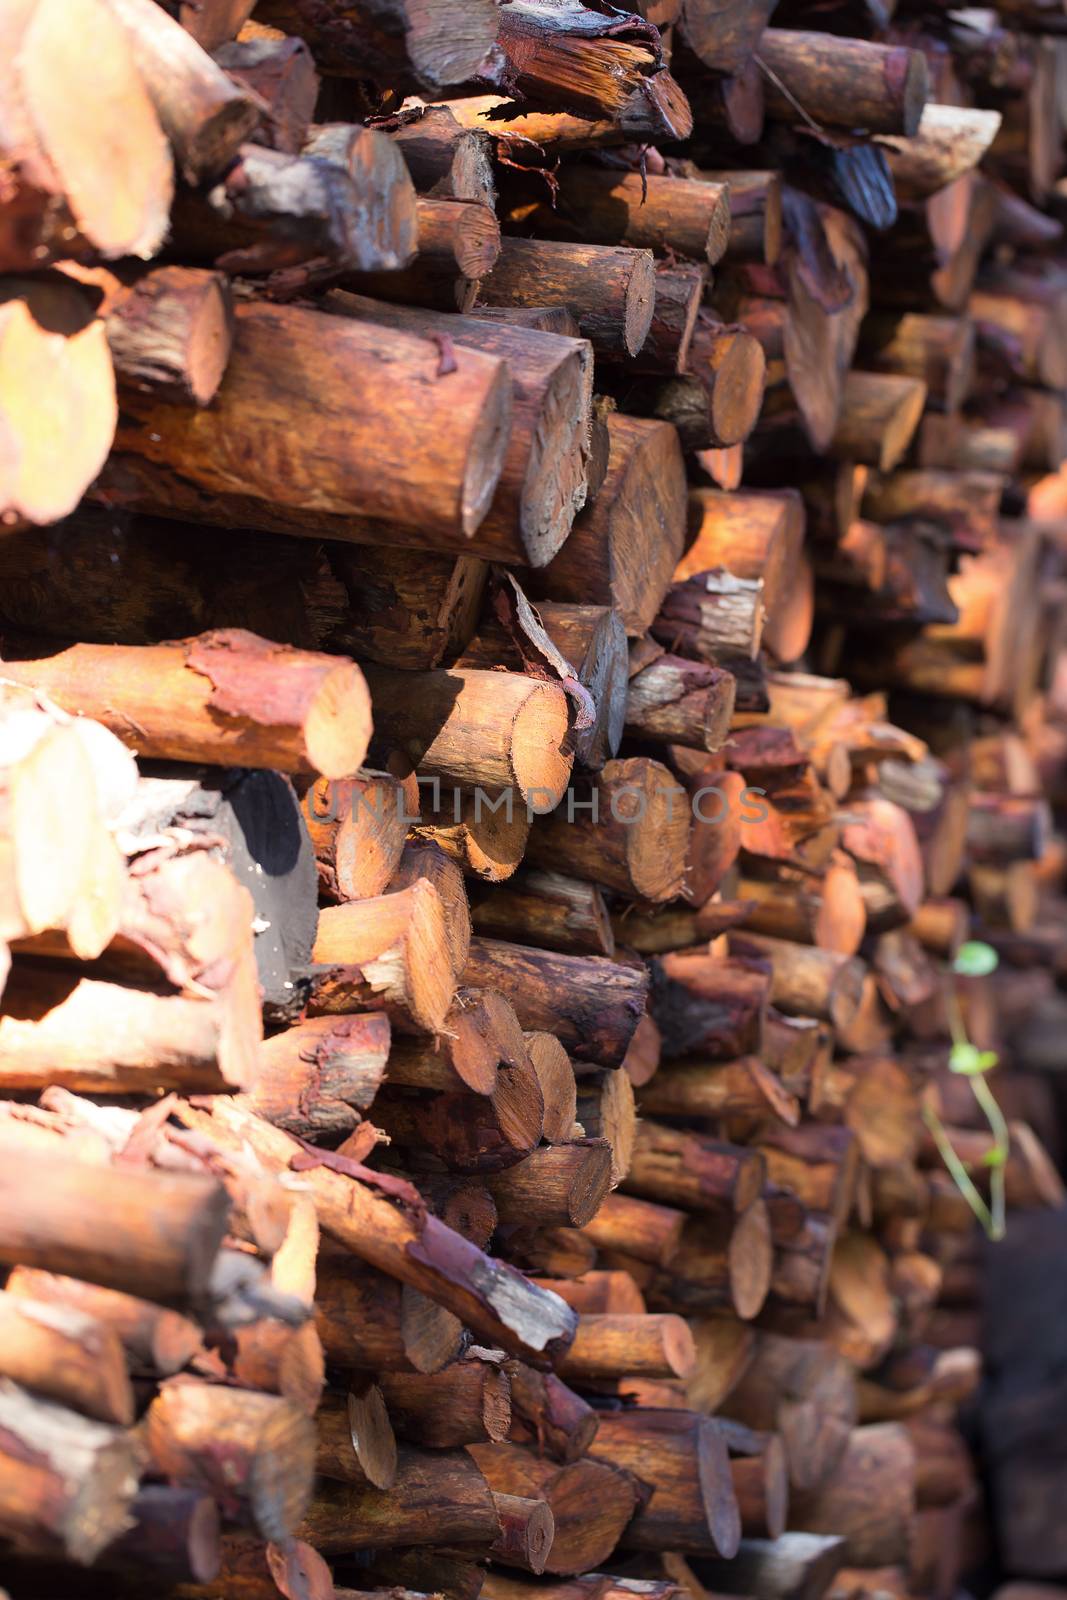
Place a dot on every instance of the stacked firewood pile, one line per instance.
(533, 617)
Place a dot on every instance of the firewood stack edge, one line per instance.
(533, 628)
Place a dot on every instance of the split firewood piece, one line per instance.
(829, 912)
(468, 1403)
(870, 1496)
(712, 617)
(967, 503)
(66, 1482)
(317, 1077)
(939, 350)
(145, 1233)
(346, 203)
(470, 1133)
(947, 143)
(558, 1185)
(406, 608)
(805, 980)
(281, 72)
(205, 115)
(546, 909)
(798, 1566)
(591, 1503)
(371, 1322)
(446, 160)
(879, 415)
(755, 536)
(252, 1451)
(423, 859)
(59, 193)
(358, 827)
(692, 1172)
(570, 58)
(555, 1074)
(104, 1038)
(610, 290)
(458, 243)
(380, 379)
(549, 1415)
(216, 699)
(481, 1037)
(355, 1439)
(67, 1356)
(154, 1339)
(705, 1005)
(847, 83)
(395, 43)
(592, 638)
(755, 214)
(356, 1210)
(543, 479)
(438, 1498)
(617, 555)
(390, 950)
(51, 346)
(675, 701)
(682, 1457)
(742, 1088)
(608, 1347)
(816, 1162)
(605, 1109)
(170, 332)
(803, 1390)
(484, 730)
(689, 217)
(590, 1004)
(628, 830)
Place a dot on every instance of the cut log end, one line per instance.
(751, 1260)
(539, 746)
(640, 301)
(337, 729)
(737, 393)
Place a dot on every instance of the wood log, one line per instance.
(627, 830)
(406, 610)
(742, 1088)
(712, 617)
(798, 1566)
(368, 1321)
(392, 951)
(611, 291)
(170, 332)
(66, 1482)
(546, 1413)
(693, 1172)
(706, 1006)
(847, 83)
(139, 1232)
(829, 913)
(354, 1438)
(605, 1109)
(690, 218)
(481, 1037)
(317, 1077)
(468, 1403)
(724, 1263)
(591, 1005)
(446, 160)
(249, 1449)
(206, 699)
(358, 827)
(155, 1340)
(877, 1526)
(174, 1534)
(722, 37)
(527, 1529)
(804, 1391)
(806, 981)
(948, 142)
(282, 73)
(549, 909)
(438, 1499)
(568, 59)
(463, 426)
(66, 1356)
(879, 415)
(680, 702)
(755, 215)
(470, 1133)
(458, 242)
(430, 45)
(204, 114)
(761, 1485)
(607, 1347)
(939, 350)
(416, 1248)
(591, 1503)
(558, 1185)
(476, 833)
(682, 1458)
(480, 729)
(639, 1228)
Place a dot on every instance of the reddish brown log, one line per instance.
(590, 1502)
(391, 951)
(847, 83)
(691, 1171)
(155, 1340)
(682, 1458)
(468, 1403)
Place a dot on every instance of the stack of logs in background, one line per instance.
(533, 623)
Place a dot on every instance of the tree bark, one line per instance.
(458, 242)
(691, 1171)
(549, 910)
(675, 701)
(682, 1457)
(429, 44)
(847, 83)
(610, 290)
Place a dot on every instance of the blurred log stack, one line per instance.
(533, 617)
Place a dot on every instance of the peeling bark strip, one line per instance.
(387, 1232)
(227, 697)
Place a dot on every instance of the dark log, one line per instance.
(429, 44)
(611, 291)
(691, 1171)
(847, 83)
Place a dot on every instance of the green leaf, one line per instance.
(995, 1157)
(987, 1060)
(975, 960)
(965, 1058)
